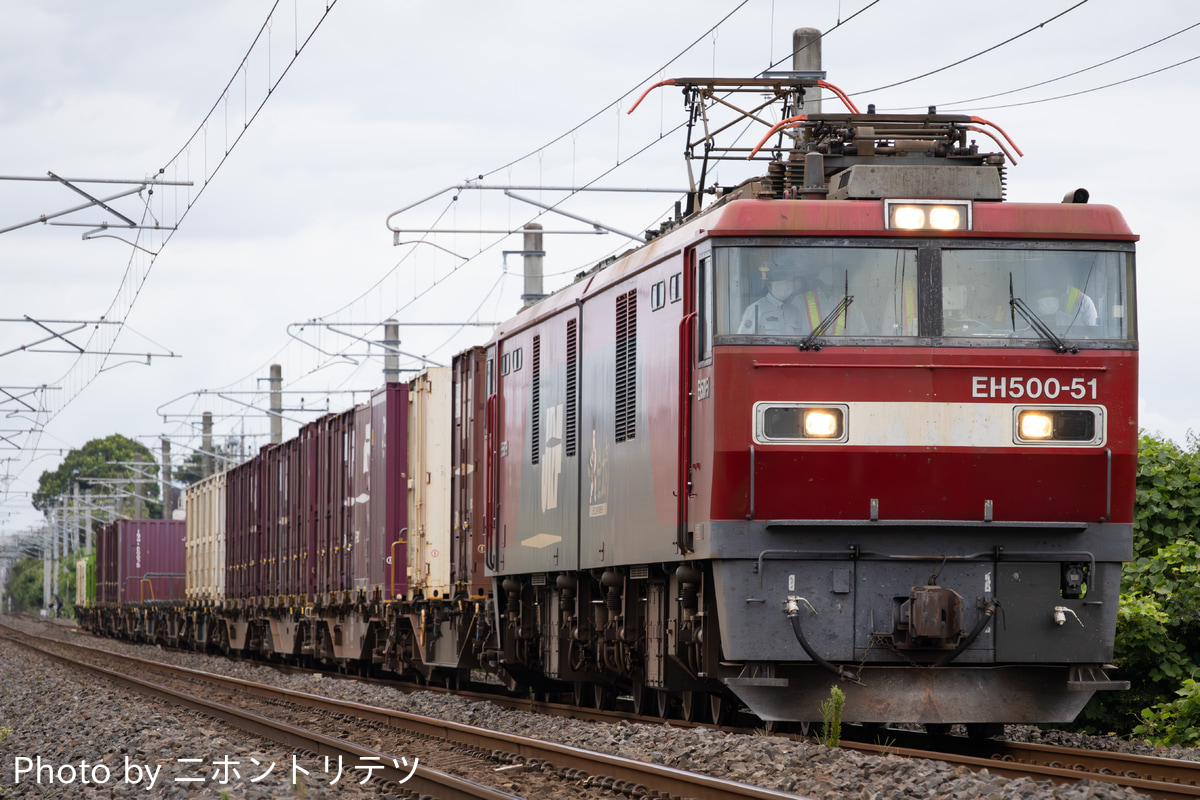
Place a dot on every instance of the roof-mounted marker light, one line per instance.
(936, 215)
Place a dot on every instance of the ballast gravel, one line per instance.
(63, 718)
(66, 735)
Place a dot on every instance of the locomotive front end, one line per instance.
(914, 437)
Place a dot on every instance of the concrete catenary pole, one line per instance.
(139, 507)
(533, 255)
(391, 358)
(806, 57)
(87, 531)
(168, 495)
(76, 520)
(206, 459)
(47, 555)
(276, 404)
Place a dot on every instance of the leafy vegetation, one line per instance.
(24, 585)
(1158, 623)
(101, 459)
(831, 718)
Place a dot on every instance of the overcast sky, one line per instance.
(390, 102)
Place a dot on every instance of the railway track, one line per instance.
(1154, 776)
(544, 768)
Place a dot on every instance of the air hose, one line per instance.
(842, 673)
(989, 611)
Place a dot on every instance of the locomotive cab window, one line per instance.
(792, 291)
(1011, 293)
(970, 293)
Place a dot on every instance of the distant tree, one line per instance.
(96, 460)
(24, 585)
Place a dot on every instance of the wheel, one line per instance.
(641, 698)
(721, 708)
(663, 699)
(604, 696)
(579, 694)
(692, 704)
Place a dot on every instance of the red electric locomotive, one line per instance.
(860, 421)
(857, 422)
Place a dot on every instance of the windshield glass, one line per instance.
(1077, 294)
(788, 291)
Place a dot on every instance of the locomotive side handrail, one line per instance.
(490, 559)
(684, 485)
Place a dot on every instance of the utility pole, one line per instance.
(391, 358)
(206, 459)
(168, 496)
(76, 519)
(139, 506)
(276, 404)
(46, 558)
(87, 533)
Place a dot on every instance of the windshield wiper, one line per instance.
(807, 344)
(1040, 326)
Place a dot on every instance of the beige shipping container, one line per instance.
(205, 543)
(429, 484)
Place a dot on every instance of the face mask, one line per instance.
(781, 290)
(1047, 305)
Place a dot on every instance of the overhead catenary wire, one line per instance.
(1095, 88)
(490, 246)
(87, 367)
(997, 46)
(1097, 65)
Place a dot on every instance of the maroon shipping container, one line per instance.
(386, 551)
(107, 579)
(243, 501)
(141, 560)
(334, 506)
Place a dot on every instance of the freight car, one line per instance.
(139, 579)
(859, 421)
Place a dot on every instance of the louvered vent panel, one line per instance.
(572, 386)
(535, 424)
(626, 367)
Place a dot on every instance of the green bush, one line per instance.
(1158, 621)
(1176, 722)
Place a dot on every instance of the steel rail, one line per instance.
(603, 770)
(424, 780)
(1158, 777)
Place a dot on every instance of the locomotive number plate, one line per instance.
(1018, 387)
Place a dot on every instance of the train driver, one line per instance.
(1066, 308)
(818, 297)
(772, 313)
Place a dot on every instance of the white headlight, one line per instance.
(929, 215)
(1035, 425)
(945, 218)
(908, 218)
(819, 423)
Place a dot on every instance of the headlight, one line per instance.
(1035, 425)
(783, 423)
(939, 215)
(822, 423)
(908, 218)
(945, 218)
(1059, 425)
